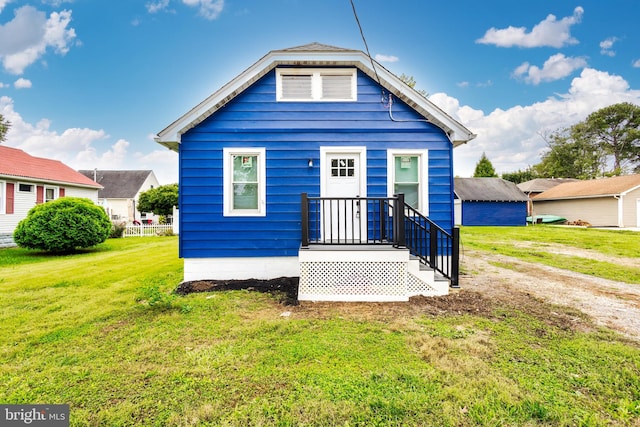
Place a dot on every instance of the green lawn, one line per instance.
(537, 244)
(79, 329)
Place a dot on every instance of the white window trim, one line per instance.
(227, 170)
(3, 198)
(55, 193)
(423, 174)
(316, 83)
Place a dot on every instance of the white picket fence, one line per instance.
(147, 230)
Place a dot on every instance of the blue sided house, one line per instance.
(318, 163)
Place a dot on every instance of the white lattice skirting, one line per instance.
(362, 275)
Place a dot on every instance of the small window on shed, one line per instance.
(322, 84)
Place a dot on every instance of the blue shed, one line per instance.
(302, 166)
(490, 201)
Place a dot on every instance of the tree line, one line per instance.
(606, 143)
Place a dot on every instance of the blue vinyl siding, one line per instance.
(292, 133)
(494, 213)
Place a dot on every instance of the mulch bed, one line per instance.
(283, 288)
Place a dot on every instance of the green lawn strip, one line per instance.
(591, 267)
(231, 359)
(503, 240)
(621, 243)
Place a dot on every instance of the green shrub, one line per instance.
(63, 225)
(117, 230)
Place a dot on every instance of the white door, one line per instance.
(344, 177)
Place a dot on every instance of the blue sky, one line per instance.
(91, 82)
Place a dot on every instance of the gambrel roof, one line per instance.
(118, 184)
(16, 164)
(488, 190)
(603, 187)
(311, 55)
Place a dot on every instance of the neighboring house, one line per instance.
(121, 190)
(290, 170)
(26, 181)
(490, 201)
(605, 202)
(539, 185)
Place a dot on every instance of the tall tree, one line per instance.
(571, 155)
(159, 200)
(4, 128)
(484, 168)
(616, 130)
(520, 176)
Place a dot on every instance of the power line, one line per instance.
(355, 14)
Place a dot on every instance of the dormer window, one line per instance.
(316, 84)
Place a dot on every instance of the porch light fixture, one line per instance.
(310, 163)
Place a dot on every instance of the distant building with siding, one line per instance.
(490, 201)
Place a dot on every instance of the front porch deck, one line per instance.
(372, 249)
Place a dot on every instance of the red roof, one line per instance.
(17, 163)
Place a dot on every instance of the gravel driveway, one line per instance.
(610, 303)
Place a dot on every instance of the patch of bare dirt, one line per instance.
(559, 298)
(609, 303)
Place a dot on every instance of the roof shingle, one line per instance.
(592, 188)
(118, 184)
(488, 189)
(16, 163)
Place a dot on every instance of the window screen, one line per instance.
(336, 86)
(296, 87)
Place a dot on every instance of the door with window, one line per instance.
(344, 179)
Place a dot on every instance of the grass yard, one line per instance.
(540, 244)
(100, 331)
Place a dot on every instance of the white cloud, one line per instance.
(556, 67)
(22, 83)
(208, 9)
(83, 148)
(549, 32)
(3, 3)
(636, 63)
(513, 138)
(606, 46)
(386, 58)
(27, 37)
(157, 6)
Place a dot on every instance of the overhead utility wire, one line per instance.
(355, 14)
(388, 102)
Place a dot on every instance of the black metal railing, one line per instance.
(380, 221)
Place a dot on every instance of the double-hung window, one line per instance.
(407, 174)
(244, 172)
(316, 84)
